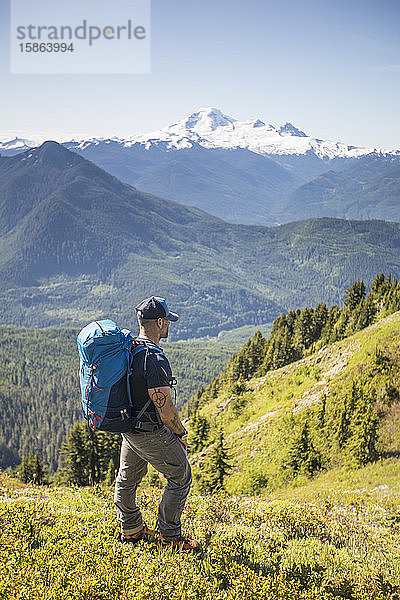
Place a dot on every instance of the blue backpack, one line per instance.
(106, 354)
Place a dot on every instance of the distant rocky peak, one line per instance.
(16, 145)
(258, 123)
(52, 154)
(17, 141)
(290, 129)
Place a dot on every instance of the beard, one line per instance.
(164, 335)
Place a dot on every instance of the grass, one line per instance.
(380, 479)
(323, 541)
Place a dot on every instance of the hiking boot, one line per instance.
(182, 544)
(145, 534)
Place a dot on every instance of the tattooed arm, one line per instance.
(162, 400)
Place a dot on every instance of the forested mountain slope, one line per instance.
(40, 394)
(369, 189)
(286, 418)
(77, 245)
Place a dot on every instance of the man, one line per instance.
(164, 446)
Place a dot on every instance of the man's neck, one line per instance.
(152, 337)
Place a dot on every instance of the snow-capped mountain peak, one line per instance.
(206, 119)
(197, 127)
(211, 128)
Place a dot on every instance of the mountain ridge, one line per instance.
(209, 126)
(84, 231)
(369, 188)
(244, 171)
(213, 129)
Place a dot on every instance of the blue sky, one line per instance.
(330, 68)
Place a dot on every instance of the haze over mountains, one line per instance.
(249, 172)
(78, 244)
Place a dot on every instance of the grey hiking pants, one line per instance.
(163, 450)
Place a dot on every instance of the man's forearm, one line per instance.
(173, 421)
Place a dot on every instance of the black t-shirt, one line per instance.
(156, 373)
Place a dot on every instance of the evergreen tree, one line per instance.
(392, 298)
(77, 455)
(366, 314)
(341, 326)
(110, 475)
(354, 295)
(377, 285)
(198, 433)
(238, 399)
(362, 442)
(39, 470)
(327, 333)
(32, 469)
(357, 432)
(302, 456)
(216, 466)
(87, 461)
(245, 363)
(320, 320)
(256, 352)
(304, 329)
(362, 446)
(25, 469)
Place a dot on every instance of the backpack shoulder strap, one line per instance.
(149, 347)
(139, 346)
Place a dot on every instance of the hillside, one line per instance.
(338, 406)
(317, 439)
(213, 179)
(60, 542)
(278, 187)
(370, 188)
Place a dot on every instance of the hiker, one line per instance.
(163, 443)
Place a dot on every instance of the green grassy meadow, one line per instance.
(332, 538)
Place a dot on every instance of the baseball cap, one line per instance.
(155, 308)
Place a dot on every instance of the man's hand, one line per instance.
(162, 400)
(184, 441)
